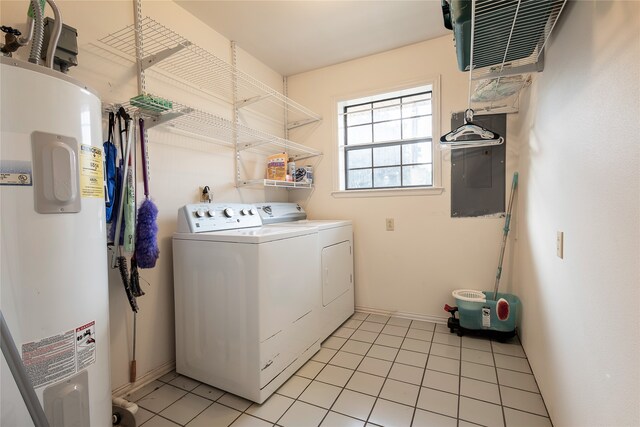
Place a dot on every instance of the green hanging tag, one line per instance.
(129, 214)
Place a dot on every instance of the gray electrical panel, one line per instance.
(478, 174)
(66, 54)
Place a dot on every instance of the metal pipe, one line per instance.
(14, 361)
(55, 34)
(125, 404)
(23, 41)
(38, 35)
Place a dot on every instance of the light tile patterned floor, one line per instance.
(375, 371)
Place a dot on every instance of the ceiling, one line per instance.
(297, 36)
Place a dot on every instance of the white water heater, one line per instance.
(54, 289)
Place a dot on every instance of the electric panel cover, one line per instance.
(478, 173)
(56, 182)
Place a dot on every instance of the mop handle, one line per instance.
(116, 241)
(143, 147)
(507, 223)
(133, 368)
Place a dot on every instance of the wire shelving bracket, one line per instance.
(168, 51)
(209, 126)
(152, 46)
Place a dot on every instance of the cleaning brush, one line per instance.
(147, 251)
(134, 281)
(124, 274)
(118, 260)
(119, 225)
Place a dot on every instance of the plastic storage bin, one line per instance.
(471, 313)
(496, 24)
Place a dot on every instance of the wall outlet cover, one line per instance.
(390, 224)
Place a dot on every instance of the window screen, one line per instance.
(388, 142)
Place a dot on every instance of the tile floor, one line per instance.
(375, 371)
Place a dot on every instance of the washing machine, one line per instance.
(335, 255)
(245, 298)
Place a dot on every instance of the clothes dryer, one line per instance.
(335, 255)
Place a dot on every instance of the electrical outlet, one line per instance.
(390, 224)
(206, 195)
(560, 244)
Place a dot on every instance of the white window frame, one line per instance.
(372, 96)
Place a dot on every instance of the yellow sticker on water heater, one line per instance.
(91, 175)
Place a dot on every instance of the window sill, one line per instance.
(392, 192)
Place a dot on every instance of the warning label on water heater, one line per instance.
(60, 356)
(50, 359)
(91, 178)
(86, 345)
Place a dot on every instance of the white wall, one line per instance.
(413, 269)
(580, 174)
(179, 165)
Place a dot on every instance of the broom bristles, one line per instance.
(124, 274)
(147, 251)
(134, 281)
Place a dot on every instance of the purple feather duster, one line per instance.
(147, 251)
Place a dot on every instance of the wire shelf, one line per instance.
(509, 35)
(275, 183)
(209, 126)
(168, 51)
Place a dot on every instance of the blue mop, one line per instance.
(147, 251)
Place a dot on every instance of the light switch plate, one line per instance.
(390, 224)
(560, 244)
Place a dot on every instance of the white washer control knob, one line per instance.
(253, 211)
(228, 212)
(200, 213)
(211, 213)
(244, 212)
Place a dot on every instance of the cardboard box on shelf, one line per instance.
(277, 166)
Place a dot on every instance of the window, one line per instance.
(386, 140)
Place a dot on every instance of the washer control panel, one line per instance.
(274, 212)
(204, 217)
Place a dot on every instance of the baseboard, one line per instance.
(406, 315)
(145, 379)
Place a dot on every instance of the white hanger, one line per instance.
(470, 135)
